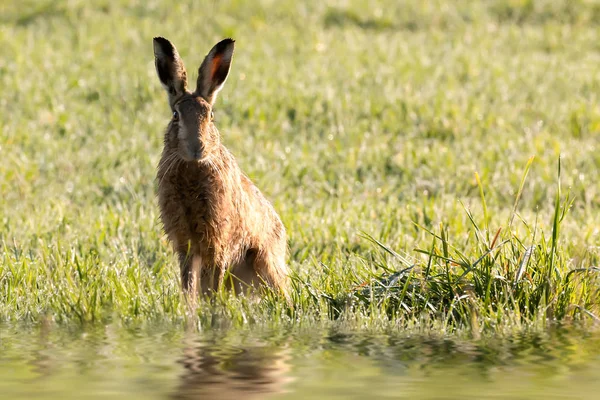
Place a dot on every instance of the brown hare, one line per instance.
(215, 217)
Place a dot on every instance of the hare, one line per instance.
(214, 216)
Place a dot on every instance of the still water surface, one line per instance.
(117, 362)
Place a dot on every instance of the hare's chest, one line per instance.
(185, 207)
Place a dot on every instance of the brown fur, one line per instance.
(215, 217)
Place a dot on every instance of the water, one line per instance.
(172, 363)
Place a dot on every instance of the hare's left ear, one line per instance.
(170, 68)
(214, 70)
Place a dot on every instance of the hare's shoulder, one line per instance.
(251, 189)
(260, 204)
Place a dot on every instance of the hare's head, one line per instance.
(191, 129)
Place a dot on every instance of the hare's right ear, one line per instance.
(214, 70)
(170, 68)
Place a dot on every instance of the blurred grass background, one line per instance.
(350, 116)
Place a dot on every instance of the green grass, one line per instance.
(395, 141)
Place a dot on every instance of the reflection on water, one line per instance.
(215, 370)
(172, 363)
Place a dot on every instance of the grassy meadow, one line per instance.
(436, 163)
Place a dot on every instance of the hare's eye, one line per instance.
(175, 115)
(212, 116)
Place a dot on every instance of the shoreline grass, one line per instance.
(494, 282)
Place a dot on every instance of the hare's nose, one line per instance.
(198, 154)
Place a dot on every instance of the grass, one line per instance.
(395, 140)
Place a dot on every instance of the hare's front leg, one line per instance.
(189, 266)
(211, 278)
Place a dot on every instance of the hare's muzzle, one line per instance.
(197, 154)
(193, 153)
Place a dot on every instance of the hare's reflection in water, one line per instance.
(249, 371)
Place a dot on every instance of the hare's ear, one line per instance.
(170, 68)
(214, 70)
